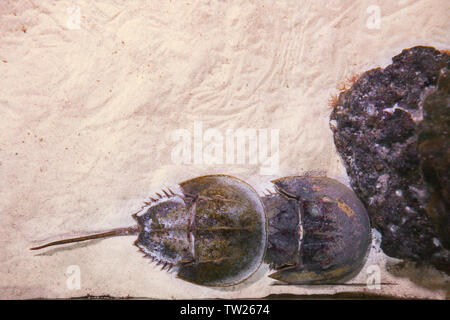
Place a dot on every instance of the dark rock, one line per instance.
(391, 128)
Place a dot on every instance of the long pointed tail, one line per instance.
(111, 233)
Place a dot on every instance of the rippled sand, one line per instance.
(94, 95)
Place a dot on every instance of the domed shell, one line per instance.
(333, 234)
(229, 230)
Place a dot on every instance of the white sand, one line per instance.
(87, 117)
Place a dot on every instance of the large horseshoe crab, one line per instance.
(213, 230)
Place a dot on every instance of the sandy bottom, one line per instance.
(98, 100)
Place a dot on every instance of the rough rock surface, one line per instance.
(391, 128)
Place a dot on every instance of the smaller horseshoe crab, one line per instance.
(213, 230)
(319, 231)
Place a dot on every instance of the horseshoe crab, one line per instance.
(213, 230)
(319, 231)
